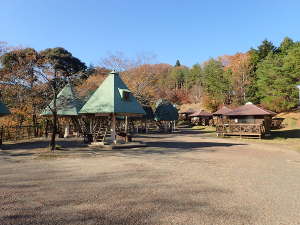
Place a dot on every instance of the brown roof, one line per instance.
(222, 110)
(201, 113)
(249, 109)
(189, 111)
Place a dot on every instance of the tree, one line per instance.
(255, 57)
(194, 76)
(215, 84)
(238, 68)
(21, 70)
(177, 63)
(277, 77)
(57, 64)
(285, 45)
(178, 75)
(265, 48)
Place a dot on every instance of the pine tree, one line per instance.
(177, 64)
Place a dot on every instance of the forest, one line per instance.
(266, 75)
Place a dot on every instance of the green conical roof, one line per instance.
(67, 103)
(3, 110)
(165, 111)
(112, 96)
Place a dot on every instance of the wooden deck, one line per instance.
(240, 129)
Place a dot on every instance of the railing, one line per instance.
(240, 129)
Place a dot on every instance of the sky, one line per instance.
(189, 30)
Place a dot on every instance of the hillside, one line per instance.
(291, 119)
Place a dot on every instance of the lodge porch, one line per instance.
(241, 129)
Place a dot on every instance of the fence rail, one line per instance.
(15, 133)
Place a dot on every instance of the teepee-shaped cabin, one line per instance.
(3, 110)
(68, 106)
(67, 103)
(111, 99)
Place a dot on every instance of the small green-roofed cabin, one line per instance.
(67, 103)
(166, 115)
(165, 111)
(4, 111)
(111, 99)
(68, 106)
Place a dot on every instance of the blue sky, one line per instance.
(191, 31)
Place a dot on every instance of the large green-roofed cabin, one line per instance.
(113, 97)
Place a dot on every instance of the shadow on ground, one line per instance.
(166, 148)
(185, 131)
(35, 144)
(285, 134)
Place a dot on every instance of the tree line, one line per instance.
(266, 75)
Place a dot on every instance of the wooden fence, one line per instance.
(15, 133)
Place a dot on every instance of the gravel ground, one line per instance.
(183, 178)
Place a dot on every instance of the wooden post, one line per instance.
(126, 128)
(126, 124)
(1, 135)
(240, 131)
(67, 130)
(91, 127)
(113, 129)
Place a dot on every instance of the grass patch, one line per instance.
(204, 128)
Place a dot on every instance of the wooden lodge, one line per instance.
(184, 115)
(219, 116)
(201, 118)
(246, 120)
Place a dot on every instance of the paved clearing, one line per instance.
(183, 178)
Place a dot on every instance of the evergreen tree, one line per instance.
(177, 64)
(257, 56)
(265, 48)
(277, 77)
(215, 84)
(179, 75)
(194, 76)
(285, 45)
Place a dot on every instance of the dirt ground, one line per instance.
(181, 178)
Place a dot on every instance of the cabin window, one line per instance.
(126, 96)
(247, 119)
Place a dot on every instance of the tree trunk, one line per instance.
(54, 132)
(54, 114)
